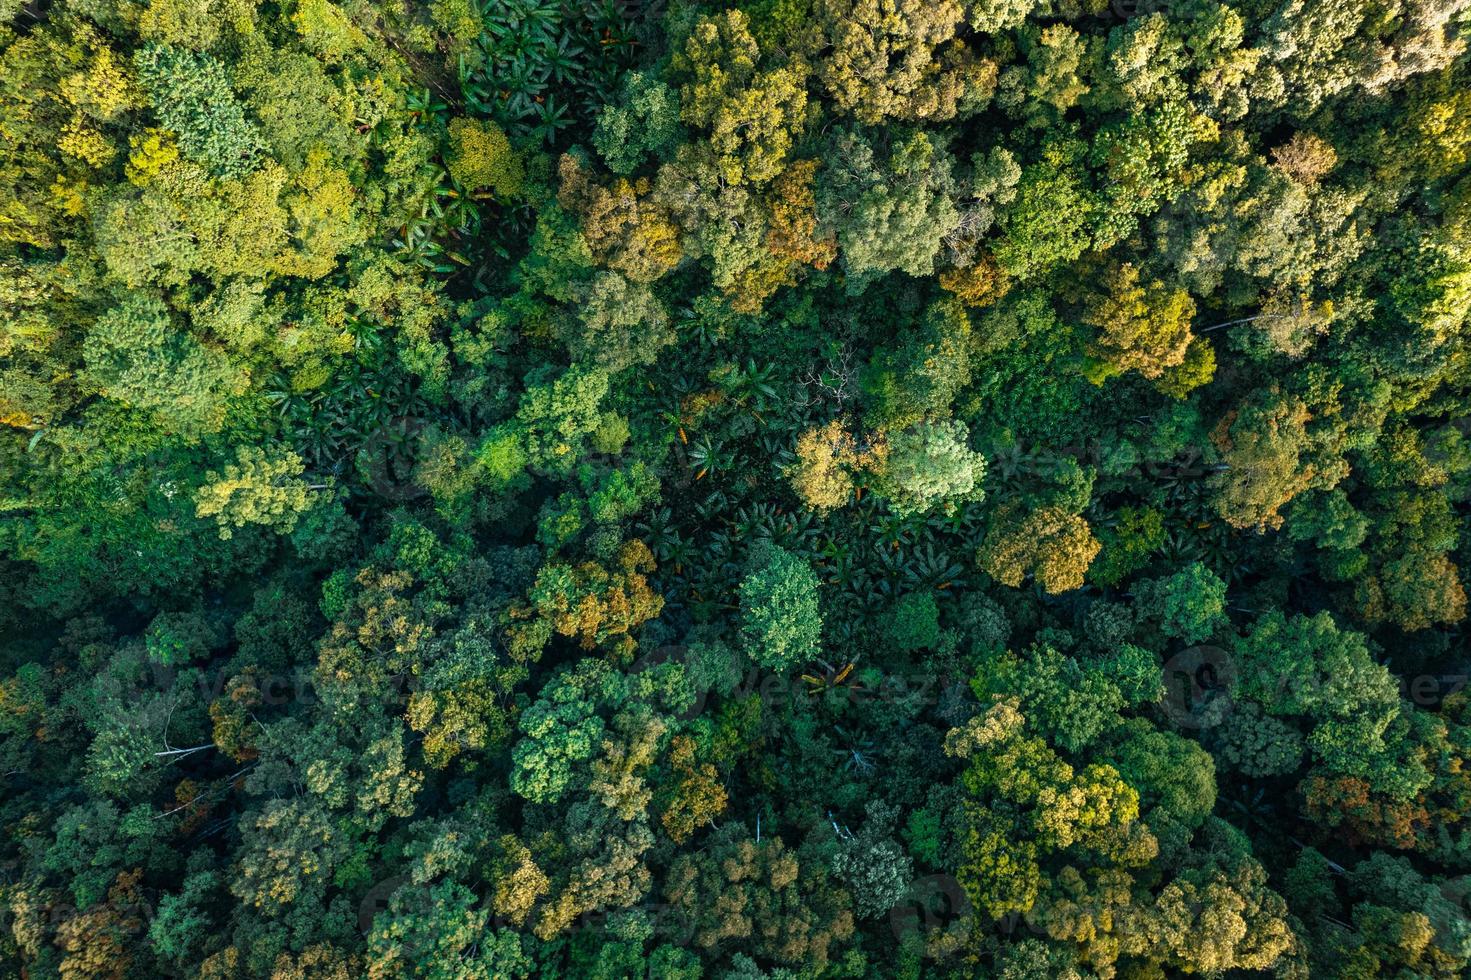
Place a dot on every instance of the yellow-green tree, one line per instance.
(1141, 327)
(1049, 543)
(751, 108)
(258, 488)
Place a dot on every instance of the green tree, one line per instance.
(1270, 458)
(560, 730)
(557, 413)
(439, 931)
(753, 893)
(643, 123)
(1047, 222)
(873, 865)
(1051, 80)
(137, 357)
(914, 623)
(182, 923)
(780, 623)
(192, 96)
(922, 378)
(897, 204)
(928, 465)
(1188, 605)
(620, 324)
(901, 59)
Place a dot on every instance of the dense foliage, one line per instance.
(803, 489)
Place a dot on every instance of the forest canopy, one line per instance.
(735, 489)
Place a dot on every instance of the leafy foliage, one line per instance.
(800, 489)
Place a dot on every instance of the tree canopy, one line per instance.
(788, 490)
